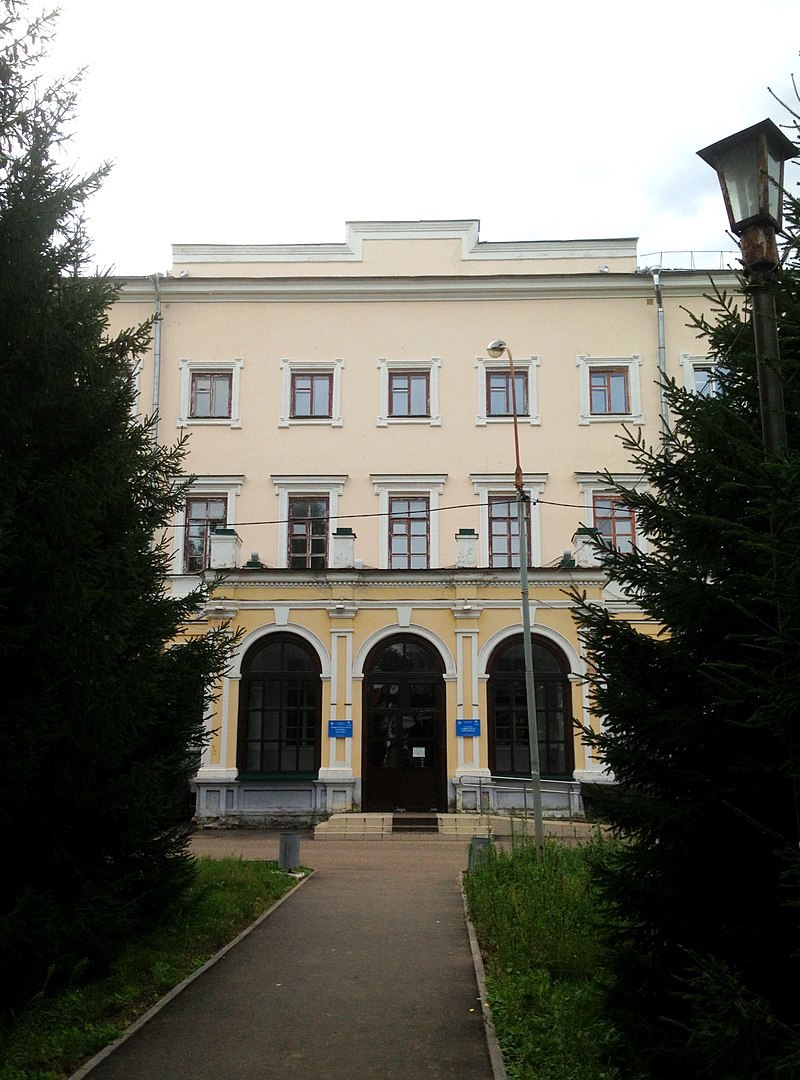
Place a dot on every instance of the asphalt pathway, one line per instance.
(364, 972)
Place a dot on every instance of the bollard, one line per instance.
(289, 852)
(479, 849)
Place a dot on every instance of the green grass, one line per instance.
(55, 1035)
(540, 930)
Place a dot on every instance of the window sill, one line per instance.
(483, 421)
(209, 421)
(310, 421)
(390, 421)
(612, 418)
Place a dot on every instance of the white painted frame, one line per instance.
(311, 367)
(486, 484)
(427, 485)
(431, 367)
(527, 365)
(592, 484)
(690, 363)
(310, 484)
(632, 364)
(224, 367)
(229, 486)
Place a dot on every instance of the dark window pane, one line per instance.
(311, 396)
(307, 531)
(210, 396)
(280, 707)
(508, 714)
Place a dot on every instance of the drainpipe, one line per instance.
(662, 350)
(156, 355)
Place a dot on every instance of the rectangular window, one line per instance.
(203, 515)
(706, 383)
(210, 395)
(504, 531)
(308, 532)
(312, 396)
(408, 393)
(499, 401)
(615, 521)
(608, 391)
(409, 533)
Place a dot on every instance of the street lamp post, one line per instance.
(749, 165)
(496, 349)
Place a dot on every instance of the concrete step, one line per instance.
(433, 827)
(451, 827)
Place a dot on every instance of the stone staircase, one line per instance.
(445, 827)
(389, 826)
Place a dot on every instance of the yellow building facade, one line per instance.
(352, 447)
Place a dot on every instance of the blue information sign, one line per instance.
(340, 729)
(468, 727)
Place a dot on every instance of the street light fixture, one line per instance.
(750, 165)
(495, 349)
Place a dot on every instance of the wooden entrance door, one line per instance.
(404, 765)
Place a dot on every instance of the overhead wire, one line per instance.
(379, 514)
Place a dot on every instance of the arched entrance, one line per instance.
(509, 747)
(404, 749)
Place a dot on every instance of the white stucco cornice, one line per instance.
(414, 289)
(352, 250)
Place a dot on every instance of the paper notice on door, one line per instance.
(418, 751)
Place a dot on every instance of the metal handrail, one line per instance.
(721, 257)
(521, 781)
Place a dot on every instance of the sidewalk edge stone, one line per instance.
(495, 1053)
(101, 1055)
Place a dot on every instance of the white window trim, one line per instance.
(432, 367)
(311, 367)
(486, 484)
(228, 486)
(526, 364)
(311, 484)
(689, 363)
(592, 484)
(224, 367)
(633, 364)
(426, 485)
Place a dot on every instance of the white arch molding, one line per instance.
(576, 664)
(395, 631)
(235, 671)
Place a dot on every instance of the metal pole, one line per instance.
(760, 259)
(527, 649)
(530, 690)
(770, 387)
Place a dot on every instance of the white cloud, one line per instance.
(266, 122)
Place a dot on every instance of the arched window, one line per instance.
(280, 705)
(509, 748)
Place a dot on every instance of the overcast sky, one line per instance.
(267, 121)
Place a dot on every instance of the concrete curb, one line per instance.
(495, 1053)
(87, 1067)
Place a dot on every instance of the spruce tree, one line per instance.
(700, 724)
(103, 688)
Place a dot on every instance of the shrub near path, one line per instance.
(540, 930)
(54, 1035)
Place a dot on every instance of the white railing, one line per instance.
(691, 260)
(485, 786)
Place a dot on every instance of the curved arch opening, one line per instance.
(404, 753)
(509, 745)
(280, 709)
